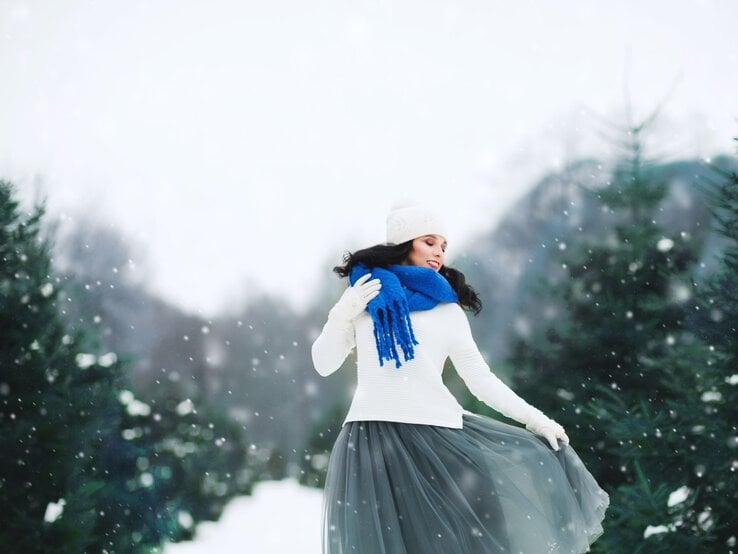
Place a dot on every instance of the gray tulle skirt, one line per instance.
(401, 488)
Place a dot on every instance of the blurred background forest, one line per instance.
(611, 295)
(177, 180)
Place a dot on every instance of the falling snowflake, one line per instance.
(678, 496)
(84, 360)
(665, 244)
(54, 510)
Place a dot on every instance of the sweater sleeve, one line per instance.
(333, 344)
(479, 378)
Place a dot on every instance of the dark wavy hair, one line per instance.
(382, 255)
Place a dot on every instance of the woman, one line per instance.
(411, 472)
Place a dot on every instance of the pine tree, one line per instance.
(624, 297)
(624, 359)
(169, 464)
(717, 464)
(56, 397)
(679, 448)
(87, 466)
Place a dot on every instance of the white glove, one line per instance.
(551, 430)
(355, 298)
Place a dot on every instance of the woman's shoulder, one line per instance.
(454, 314)
(450, 319)
(449, 309)
(448, 305)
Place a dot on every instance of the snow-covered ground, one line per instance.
(279, 517)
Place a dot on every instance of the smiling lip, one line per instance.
(434, 263)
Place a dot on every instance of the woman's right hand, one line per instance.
(355, 298)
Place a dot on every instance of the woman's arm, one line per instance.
(338, 336)
(485, 385)
(333, 344)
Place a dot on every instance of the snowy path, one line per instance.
(279, 517)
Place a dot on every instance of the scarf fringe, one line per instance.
(394, 325)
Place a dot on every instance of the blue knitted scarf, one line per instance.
(405, 288)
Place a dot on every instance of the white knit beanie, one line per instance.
(408, 220)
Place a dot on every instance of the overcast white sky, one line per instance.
(246, 145)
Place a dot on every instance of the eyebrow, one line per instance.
(445, 242)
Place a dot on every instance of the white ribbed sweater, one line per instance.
(414, 392)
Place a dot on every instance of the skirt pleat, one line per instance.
(490, 487)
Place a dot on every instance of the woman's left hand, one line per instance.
(550, 430)
(551, 434)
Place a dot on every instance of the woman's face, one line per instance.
(428, 251)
